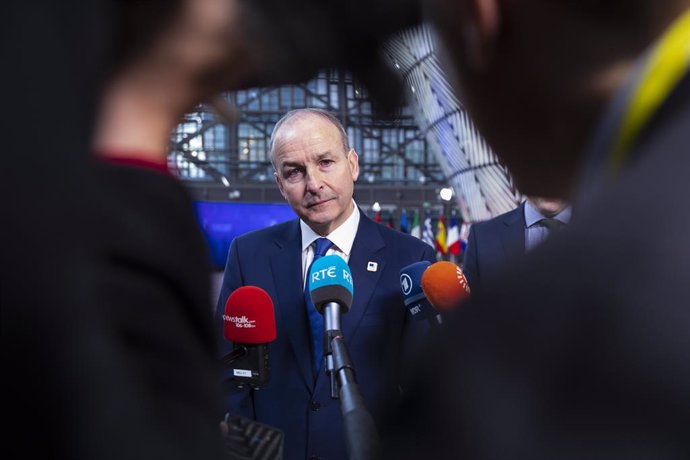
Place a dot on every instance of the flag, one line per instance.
(441, 235)
(389, 224)
(453, 241)
(403, 221)
(464, 233)
(377, 217)
(428, 233)
(416, 229)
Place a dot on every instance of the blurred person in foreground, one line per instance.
(112, 352)
(108, 344)
(583, 350)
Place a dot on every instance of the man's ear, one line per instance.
(353, 162)
(480, 32)
(279, 183)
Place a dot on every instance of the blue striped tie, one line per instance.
(315, 318)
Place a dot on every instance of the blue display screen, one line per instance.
(222, 222)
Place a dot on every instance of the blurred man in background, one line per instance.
(495, 245)
(582, 350)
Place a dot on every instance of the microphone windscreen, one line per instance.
(411, 288)
(330, 280)
(249, 316)
(445, 285)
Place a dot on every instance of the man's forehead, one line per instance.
(306, 126)
(290, 157)
(311, 134)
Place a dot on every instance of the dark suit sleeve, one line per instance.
(152, 287)
(470, 264)
(429, 254)
(232, 278)
(238, 401)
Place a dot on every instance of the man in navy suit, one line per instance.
(495, 244)
(315, 172)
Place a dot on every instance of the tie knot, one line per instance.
(552, 224)
(321, 247)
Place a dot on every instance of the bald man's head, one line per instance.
(304, 112)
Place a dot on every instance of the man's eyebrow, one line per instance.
(325, 154)
(320, 156)
(290, 164)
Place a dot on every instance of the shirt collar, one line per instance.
(532, 216)
(342, 237)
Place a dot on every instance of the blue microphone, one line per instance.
(330, 281)
(330, 288)
(416, 302)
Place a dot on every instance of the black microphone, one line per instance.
(249, 323)
(418, 306)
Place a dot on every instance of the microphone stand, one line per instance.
(331, 315)
(234, 355)
(360, 429)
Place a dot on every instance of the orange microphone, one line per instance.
(445, 285)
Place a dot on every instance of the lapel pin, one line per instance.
(372, 266)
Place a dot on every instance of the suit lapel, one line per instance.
(367, 248)
(513, 233)
(286, 267)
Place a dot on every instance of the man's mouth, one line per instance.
(317, 203)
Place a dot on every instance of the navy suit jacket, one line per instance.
(377, 331)
(492, 246)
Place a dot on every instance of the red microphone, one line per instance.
(445, 286)
(249, 323)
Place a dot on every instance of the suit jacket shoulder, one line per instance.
(492, 244)
(276, 233)
(496, 223)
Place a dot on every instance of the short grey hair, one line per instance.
(309, 111)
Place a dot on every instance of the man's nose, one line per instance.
(314, 180)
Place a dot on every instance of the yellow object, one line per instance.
(666, 66)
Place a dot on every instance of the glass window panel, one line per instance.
(299, 98)
(381, 145)
(285, 97)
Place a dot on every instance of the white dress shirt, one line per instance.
(342, 238)
(535, 234)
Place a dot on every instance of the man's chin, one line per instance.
(318, 217)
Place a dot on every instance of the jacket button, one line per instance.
(315, 406)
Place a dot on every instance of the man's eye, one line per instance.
(293, 173)
(326, 162)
